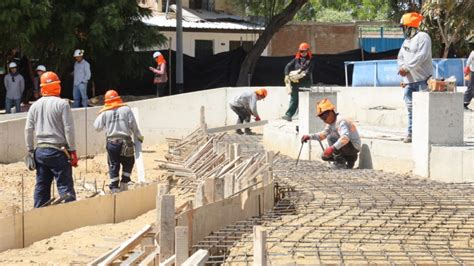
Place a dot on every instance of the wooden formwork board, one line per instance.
(132, 203)
(11, 233)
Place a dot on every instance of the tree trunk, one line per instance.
(248, 65)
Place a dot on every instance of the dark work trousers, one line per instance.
(242, 113)
(115, 160)
(52, 163)
(160, 89)
(348, 151)
(469, 91)
(294, 100)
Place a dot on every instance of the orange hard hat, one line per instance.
(112, 96)
(323, 106)
(262, 92)
(412, 19)
(50, 84)
(304, 46)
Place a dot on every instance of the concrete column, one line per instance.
(259, 246)
(438, 118)
(309, 122)
(167, 227)
(181, 244)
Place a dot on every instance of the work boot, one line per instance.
(114, 190)
(249, 132)
(407, 139)
(351, 161)
(239, 131)
(287, 118)
(123, 186)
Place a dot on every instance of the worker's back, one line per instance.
(119, 122)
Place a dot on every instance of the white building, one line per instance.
(206, 30)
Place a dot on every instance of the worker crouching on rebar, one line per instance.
(119, 122)
(342, 135)
(51, 119)
(245, 106)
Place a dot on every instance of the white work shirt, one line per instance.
(415, 56)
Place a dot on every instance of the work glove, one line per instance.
(74, 159)
(466, 70)
(328, 152)
(257, 118)
(30, 160)
(402, 72)
(305, 138)
(141, 138)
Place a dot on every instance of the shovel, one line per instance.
(299, 154)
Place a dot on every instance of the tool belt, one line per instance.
(128, 148)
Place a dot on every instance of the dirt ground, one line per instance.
(84, 244)
(89, 172)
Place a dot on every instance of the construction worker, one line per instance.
(15, 85)
(469, 72)
(82, 75)
(51, 119)
(40, 69)
(414, 61)
(342, 135)
(298, 74)
(119, 122)
(161, 77)
(245, 106)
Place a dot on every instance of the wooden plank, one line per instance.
(126, 246)
(197, 259)
(238, 126)
(102, 257)
(151, 259)
(169, 261)
(133, 258)
(138, 151)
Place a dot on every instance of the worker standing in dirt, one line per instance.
(119, 122)
(161, 77)
(298, 74)
(469, 72)
(51, 119)
(15, 85)
(245, 106)
(82, 75)
(40, 69)
(414, 62)
(342, 135)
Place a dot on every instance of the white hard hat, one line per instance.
(156, 54)
(12, 65)
(78, 52)
(41, 68)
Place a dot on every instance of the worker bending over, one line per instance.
(245, 106)
(119, 122)
(343, 138)
(51, 119)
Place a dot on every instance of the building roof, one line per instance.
(202, 19)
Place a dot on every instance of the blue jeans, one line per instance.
(115, 160)
(79, 93)
(408, 98)
(52, 163)
(9, 104)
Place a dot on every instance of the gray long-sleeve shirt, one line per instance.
(470, 61)
(415, 56)
(247, 100)
(14, 88)
(82, 72)
(344, 130)
(118, 123)
(51, 119)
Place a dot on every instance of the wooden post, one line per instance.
(237, 150)
(167, 225)
(229, 180)
(259, 246)
(203, 120)
(181, 247)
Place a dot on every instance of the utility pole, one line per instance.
(179, 47)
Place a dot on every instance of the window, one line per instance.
(203, 48)
(202, 4)
(247, 45)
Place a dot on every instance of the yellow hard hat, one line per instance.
(323, 106)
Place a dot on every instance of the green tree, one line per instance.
(448, 22)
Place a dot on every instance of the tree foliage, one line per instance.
(448, 22)
(50, 30)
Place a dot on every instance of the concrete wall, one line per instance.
(43, 223)
(452, 164)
